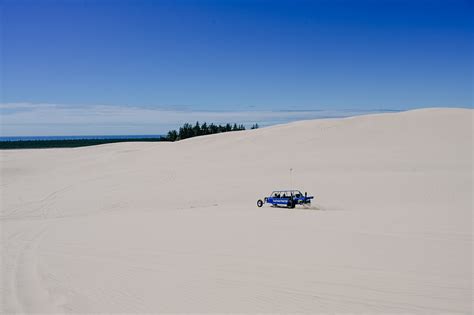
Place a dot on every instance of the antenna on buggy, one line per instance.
(291, 178)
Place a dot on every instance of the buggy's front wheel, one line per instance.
(259, 203)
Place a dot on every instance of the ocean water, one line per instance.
(27, 138)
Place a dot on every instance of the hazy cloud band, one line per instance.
(27, 119)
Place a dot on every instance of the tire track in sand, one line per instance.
(30, 293)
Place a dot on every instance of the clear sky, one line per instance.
(72, 59)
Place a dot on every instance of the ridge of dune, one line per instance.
(173, 227)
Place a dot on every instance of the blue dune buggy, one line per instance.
(288, 198)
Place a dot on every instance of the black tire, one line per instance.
(259, 203)
(291, 204)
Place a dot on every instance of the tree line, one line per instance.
(189, 131)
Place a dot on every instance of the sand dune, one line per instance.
(173, 227)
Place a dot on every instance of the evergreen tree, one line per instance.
(213, 128)
(197, 129)
(172, 135)
(204, 129)
(186, 131)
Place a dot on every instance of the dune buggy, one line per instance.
(288, 198)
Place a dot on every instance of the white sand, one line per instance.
(173, 227)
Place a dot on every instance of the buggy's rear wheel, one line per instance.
(259, 203)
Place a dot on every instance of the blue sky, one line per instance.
(63, 62)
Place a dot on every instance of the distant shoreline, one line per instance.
(184, 132)
(70, 142)
(76, 137)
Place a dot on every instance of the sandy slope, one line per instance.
(173, 227)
